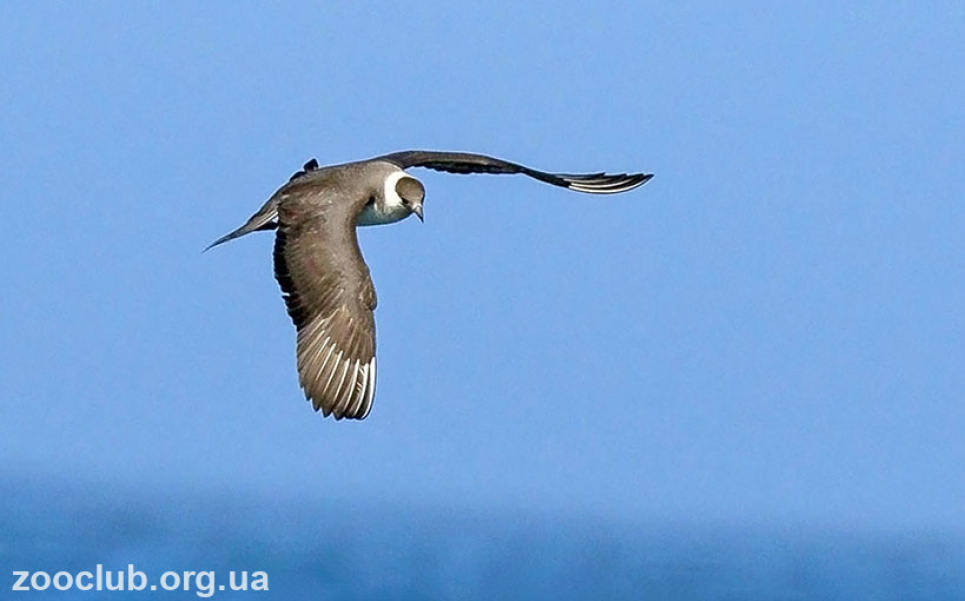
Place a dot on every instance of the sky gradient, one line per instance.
(772, 329)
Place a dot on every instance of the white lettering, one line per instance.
(187, 577)
(34, 580)
(86, 576)
(119, 586)
(18, 585)
(204, 582)
(139, 575)
(63, 586)
(259, 581)
(243, 586)
(167, 576)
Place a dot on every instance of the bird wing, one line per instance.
(330, 297)
(464, 162)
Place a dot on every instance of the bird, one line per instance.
(324, 280)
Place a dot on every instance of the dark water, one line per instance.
(309, 550)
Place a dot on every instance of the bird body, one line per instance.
(325, 282)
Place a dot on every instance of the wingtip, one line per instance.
(607, 183)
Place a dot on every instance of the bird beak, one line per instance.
(417, 209)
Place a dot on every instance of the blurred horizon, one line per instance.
(306, 548)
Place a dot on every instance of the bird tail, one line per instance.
(265, 219)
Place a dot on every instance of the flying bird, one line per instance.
(324, 279)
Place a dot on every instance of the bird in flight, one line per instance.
(324, 279)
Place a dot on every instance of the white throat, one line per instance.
(391, 209)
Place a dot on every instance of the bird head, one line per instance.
(412, 193)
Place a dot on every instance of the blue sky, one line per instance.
(770, 330)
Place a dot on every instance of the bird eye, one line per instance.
(371, 201)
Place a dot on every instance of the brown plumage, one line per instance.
(324, 279)
(329, 295)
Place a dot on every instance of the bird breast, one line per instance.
(387, 209)
(373, 214)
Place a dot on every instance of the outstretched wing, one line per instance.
(330, 298)
(464, 162)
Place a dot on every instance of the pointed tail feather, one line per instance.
(264, 219)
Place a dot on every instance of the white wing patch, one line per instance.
(369, 389)
(365, 392)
